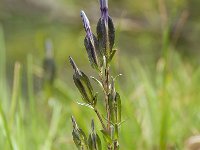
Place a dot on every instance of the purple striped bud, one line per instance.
(91, 44)
(86, 25)
(104, 10)
(105, 31)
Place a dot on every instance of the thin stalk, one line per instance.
(106, 97)
(115, 145)
(105, 83)
(57, 108)
(3, 85)
(30, 84)
(15, 92)
(100, 118)
(5, 125)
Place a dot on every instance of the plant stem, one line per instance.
(115, 145)
(100, 118)
(106, 96)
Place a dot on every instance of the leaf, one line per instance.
(118, 100)
(97, 81)
(102, 38)
(94, 54)
(84, 86)
(94, 102)
(112, 55)
(85, 104)
(117, 76)
(111, 32)
(107, 137)
(110, 104)
(106, 35)
(98, 142)
(116, 133)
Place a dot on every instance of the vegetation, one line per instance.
(159, 88)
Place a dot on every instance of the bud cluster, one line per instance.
(100, 53)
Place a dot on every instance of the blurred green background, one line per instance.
(158, 55)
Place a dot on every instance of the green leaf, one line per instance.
(117, 76)
(94, 55)
(112, 55)
(111, 107)
(85, 104)
(107, 137)
(111, 32)
(84, 86)
(102, 37)
(118, 100)
(106, 35)
(97, 81)
(116, 133)
(98, 142)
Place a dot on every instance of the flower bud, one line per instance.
(83, 84)
(49, 65)
(94, 141)
(79, 136)
(91, 44)
(105, 30)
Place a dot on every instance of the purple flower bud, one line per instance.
(104, 10)
(91, 44)
(86, 25)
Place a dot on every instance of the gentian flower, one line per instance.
(105, 30)
(91, 44)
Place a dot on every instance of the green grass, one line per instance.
(160, 104)
(156, 115)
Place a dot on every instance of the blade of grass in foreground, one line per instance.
(54, 123)
(30, 85)
(15, 93)
(6, 128)
(3, 87)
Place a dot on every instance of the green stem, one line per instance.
(15, 92)
(100, 118)
(5, 124)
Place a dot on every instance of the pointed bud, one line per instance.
(105, 30)
(91, 44)
(104, 10)
(83, 84)
(79, 136)
(49, 64)
(94, 141)
(86, 25)
(74, 66)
